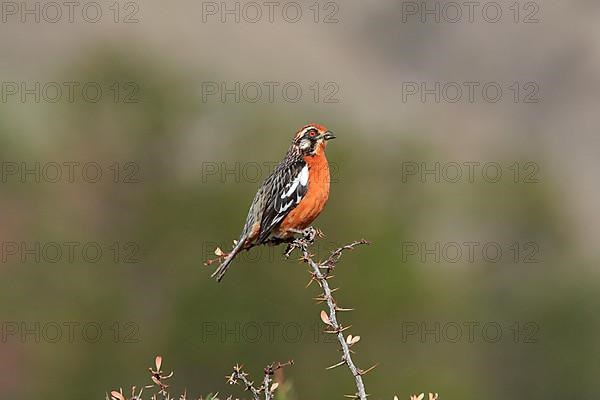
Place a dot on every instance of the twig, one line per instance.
(331, 318)
(239, 375)
(337, 254)
(267, 388)
(269, 371)
(267, 385)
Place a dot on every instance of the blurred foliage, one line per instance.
(178, 213)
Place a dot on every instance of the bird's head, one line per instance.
(312, 139)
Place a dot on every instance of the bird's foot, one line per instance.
(308, 234)
(308, 238)
(311, 233)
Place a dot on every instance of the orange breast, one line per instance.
(313, 201)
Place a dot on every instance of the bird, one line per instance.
(290, 198)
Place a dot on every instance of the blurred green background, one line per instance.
(187, 171)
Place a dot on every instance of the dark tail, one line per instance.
(220, 272)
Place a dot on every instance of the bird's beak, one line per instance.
(328, 135)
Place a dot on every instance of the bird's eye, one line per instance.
(312, 133)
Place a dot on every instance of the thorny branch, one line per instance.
(321, 273)
(267, 388)
(238, 375)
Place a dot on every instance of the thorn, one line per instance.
(343, 309)
(339, 330)
(312, 279)
(336, 365)
(361, 372)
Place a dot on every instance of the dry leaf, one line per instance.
(117, 395)
(352, 339)
(274, 386)
(325, 318)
